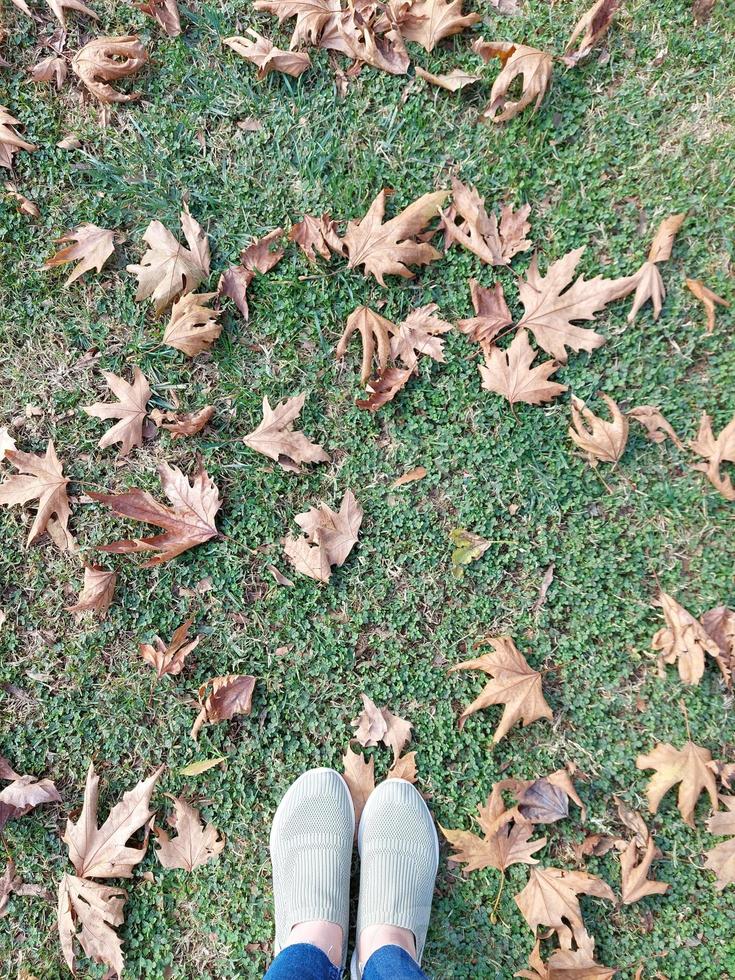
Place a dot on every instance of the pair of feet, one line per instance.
(311, 850)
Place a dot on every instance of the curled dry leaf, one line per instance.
(708, 298)
(466, 548)
(491, 315)
(194, 844)
(429, 21)
(550, 899)
(514, 684)
(90, 912)
(404, 768)
(51, 69)
(544, 800)
(375, 332)
(370, 36)
(592, 27)
(189, 522)
(169, 658)
(184, 425)
(58, 9)
(312, 16)
(193, 327)
(721, 857)
(11, 883)
(719, 623)
(329, 537)
(130, 410)
(468, 224)
(567, 964)
(374, 725)
(649, 284)
(688, 767)
(384, 388)
(7, 443)
(97, 591)
(258, 257)
(39, 477)
(509, 373)
(275, 438)
(360, 778)
(23, 793)
(10, 141)
(262, 53)
(598, 439)
(221, 698)
(683, 641)
(108, 59)
(716, 451)
(314, 235)
(94, 246)
(634, 872)
(25, 206)
(410, 476)
(534, 66)
(165, 13)
(453, 81)
(656, 426)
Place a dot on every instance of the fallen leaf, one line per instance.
(267, 58)
(11, 883)
(370, 725)
(250, 124)
(683, 641)
(51, 69)
(69, 143)
(221, 698)
(169, 658)
(544, 800)
(687, 766)
(404, 768)
(98, 910)
(23, 793)
(328, 539)
(194, 844)
(58, 9)
(592, 27)
(492, 315)
(10, 141)
(360, 778)
(467, 547)
(39, 477)
(708, 298)
(597, 438)
(384, 388)
(186, 424)
(544, 588)
(634, 873)
(130, 410)
(375, 332)
(279, 577)
(453, 81)
(189, 522)
(193, 327)
(721, 857)
(429, 21)
(479, 232)
(165, 13)
(509, 373)
(702, 10)
(389, 248)
(649, 284)
(108, 59)
(197, 768)
(167, 269)
(275, 438)
(370, 36)
(94, 247)
(596, 845)
(314, 235)
(514, 684)
(550, 899)
(410, 476)
(719, 624)
(312, 16)
(258, 257)
(656, 426)
(534, 66)
(509, 8)
(716, 451)
(7, 443)
(419, 333)
(25, 206)
(633, 821)
(97, 592)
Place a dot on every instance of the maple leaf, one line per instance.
(404, 768)
(94, 247)
(656, 426)
(257, 257)
(312, 16)
(479, 232)
(687, 766)
(375, 332)
(509, 373)
(39, 477)
(374, 725)
(721, 858)
(467, 547)
(492, 315)
(552, 302)
(51, 69)
(167, 269)
(221, 698)
(165, 13)
(389, 248)
(719, 623)
(634, 873)
(649, 284)
(314, 235)
(267, 57)
(193, 327)
(597, 438)
(184, 425)
(189, 522)
(23, 793)
(10, 141)
(683, 641)
(431, 20)
(419, 333)
(566, 964)
(593, 25)
(514, 684)
(370, 36)
(716, 451)
(275, 438)
(194, 844)
(97, 592)
(360, 778)
(98, 910)
(708, 298)
(550, 899)
(452, 81)
(544, 800)
(534, 66)
(329, 538)
(384, 388)
(108, 59)
(131, 409)
(58, 8)
(169, 658)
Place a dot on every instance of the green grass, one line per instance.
(615, 148)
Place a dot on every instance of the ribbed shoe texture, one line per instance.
(311, 849)
(399, 856)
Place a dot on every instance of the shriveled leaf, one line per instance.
(410, 476)
(41, 478)
(656, 426)
(533, 66)
(591, 28)
(168, 658)
(370, 725)
(312, 16)
(316, 235)
(429, 21)
(649, 284)
(716, 451)
(23, 793)
(275, 438)
(468, 224)
(52, 69)
(266, 57)
(329, 537)
(130, 410)
(453, 81)
(708, 299)
(420, 333)
(184, 425)
(12, 884)
(384, 388)
(375, 332)
(24, 204)
(59, 7)
(466, 548)
(221, 698)
(94, 246)
(90, 913)
(491, 315)
(721, 857)
(97, 591)
(509, 373)
(360, 778)
(719, 624)
(193, 327)
(194, 844)
(550, 899)
(10, 141)
(108, 59)
(597, 438)
(634, 873)
(514, 684)
(367, 33)
(688, 767)
(165, 13)
(258, 257)
(683, 641)
(187, 523)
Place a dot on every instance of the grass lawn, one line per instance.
(616, 147)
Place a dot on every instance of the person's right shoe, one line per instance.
(399, 857)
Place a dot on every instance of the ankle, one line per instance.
(326, 936)
(373, 937)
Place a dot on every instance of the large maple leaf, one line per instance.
(93, 248)
(41, 478)
(130, 410)
(509, 373)
(689, 767)
(276, 439)
(428, 21)
(550, 899)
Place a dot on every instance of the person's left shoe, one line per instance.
(311, 851)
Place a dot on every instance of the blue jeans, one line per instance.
(302, 961)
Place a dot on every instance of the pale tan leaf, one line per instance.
(404, 768)
(130, 410)
(97, 591)
(266, 57)
(397, 733)
(708, 298)
(39, 477)
(221, 698)
(410, 476)
(10, 141)
(97, 910)
(721, 857)
(684, 641)
(634, 873)
(108, 59)
(193, 327)
(275, 438)
(360, 778)
(688, 767)
(597, 438)
(59, 8)
(649, 284)
(592, 27)
(169, 658)
(719, 624)
(370, 725)
(194, 844)
(534, 66)
(716, 451)
(468, 224)
(329, 538)
(509, 373)
(25, 206)
(312, 16)
(7, 443)
(430, 21)
(165, 13)
(550, 899)
(23, 793)
(656, 426)
(94, 246)
(453, 81)
(420, 333)
(492, 315)
(51, 69)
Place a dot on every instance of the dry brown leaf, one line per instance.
(221, 698)
(7, 443)
(468, 224)
(550, 899)
(370, 36)
(566, 964)
(360, 778)
(182, 426)
(275, 438)
(312, 16)
(592, 26)
(194, 844)
(719, 624)
(635, 883)
(410, 476)
(23, 793)
(267, 57)
(716, 451)
(314, 235)
(94, 246)
(96, 910)
(404, 768)
(375, 332)
(108, 59)
(597, 438)
(384, 388)
(656, 426)
(279, 577)
(514, 684)
(97, 592)
(328, 539)
(702, 10)
(189, 522)
(429, 21)
(649, 284)
(419, 333)
(51, 69)
(453, 81)
(25, 206)
(721, 857)
(258, 257)
(397, 734)
(193, 327)
(167, 269)
(687, 766)
(683, 641)
(165, 13)
(708, 298)
(169, 658)
(509, 373)
(10, 141)
(130, 410)
(492, 315)
(58, 9)
(370, 725)
(534, 66)
(388, 248)
(39, 477)
(12, 884)
(544, 800)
